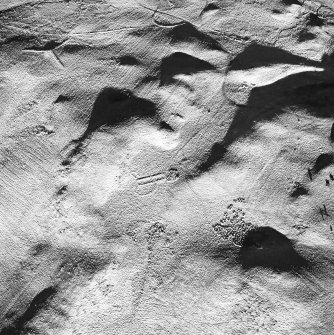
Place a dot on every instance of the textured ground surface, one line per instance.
(166, 167)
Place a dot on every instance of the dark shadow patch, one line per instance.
(40, 301)
(112, 107)
(50, 45)
(332, 133)
(312, 90)
(187, 33)
(181, 63)
(267, 102)
(266, 247)
(314, 20)
(319, 95)
(62, 98)
(322, 162)
(73, 48)
(77, 146)
(298, 190)
(128, 60)
(257, 55)
(328, 59)
(290, 2)
(165, 126)
(305, 35)
(216, 154)
(210, 7)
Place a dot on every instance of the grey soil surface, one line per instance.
(166, 167)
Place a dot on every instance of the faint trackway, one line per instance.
(29, 2)
(231, 37)
(104, 31)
